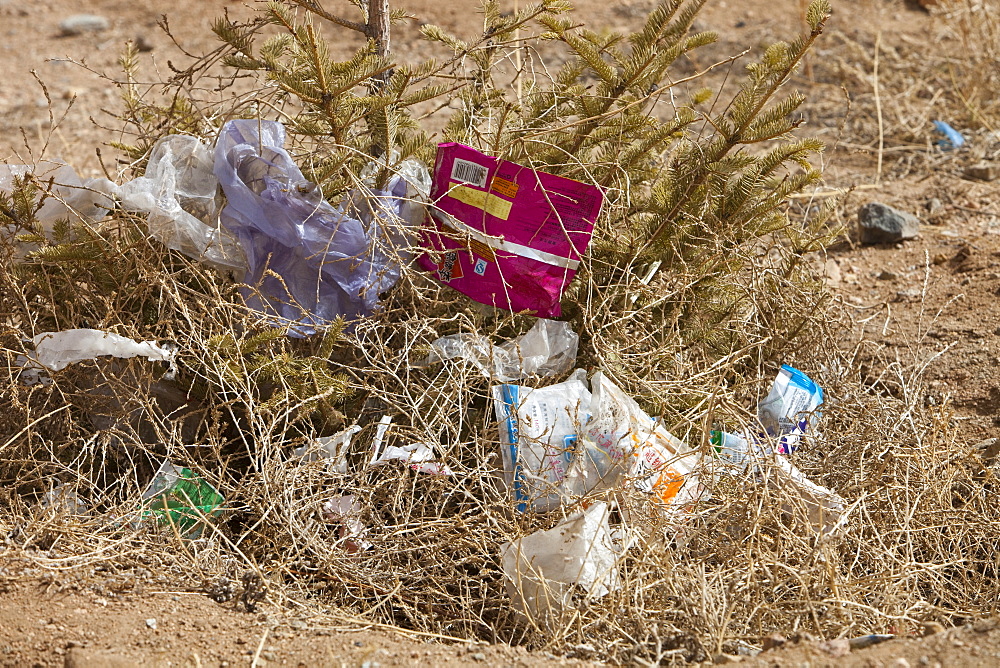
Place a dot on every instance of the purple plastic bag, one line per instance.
(330, 263)
(505, 234)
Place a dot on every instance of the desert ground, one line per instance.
(929, 303)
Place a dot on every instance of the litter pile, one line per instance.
(579, 457)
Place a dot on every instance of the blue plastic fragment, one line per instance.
(952, 137)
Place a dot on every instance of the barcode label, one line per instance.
(469, 172)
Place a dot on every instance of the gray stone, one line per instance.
(984, 171)
(882, 224)
(82, 23)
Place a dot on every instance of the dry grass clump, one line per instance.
(696, 343)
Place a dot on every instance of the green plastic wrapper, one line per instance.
(177, 496)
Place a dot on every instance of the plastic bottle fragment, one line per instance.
(547, 349)
(57, 350)
(543, 569)
(308, 262)
(504, 234)
(176, 496)
(180, 192)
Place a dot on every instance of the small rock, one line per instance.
(940, 258)
(832, 271)
(773, 641)
(984, 171)
(81, 23)
(151, 623)
(910, 294)
(930, 628)
(270, 657)
(934, 205)
(726, 658)
(987, 625)
(882, 224)
(477, 656)
(836, 648)
(900, 663)
(887, 276)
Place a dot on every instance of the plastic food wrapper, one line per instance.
(544, 568)
(547, 349)
(178, 497)
(69, 197)
(821, 506)
(538, 431)
(179, 191)
(345, 511)
(623, 440)
(57, 350)
(332, 449)
(309, 262)
(504, 234)
(789, 409)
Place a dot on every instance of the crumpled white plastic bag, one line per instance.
(179, 191)
(543, 568)
(547, 349)
(57, 350)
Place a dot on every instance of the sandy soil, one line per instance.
(932, 299)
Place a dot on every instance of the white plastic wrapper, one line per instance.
(332, 449)
(57, 350)
(345, 511)
(65, 500)
(418, 456)
(179, 191)
(623, 440)
(547, 349)
(544, 568)
(538, 434)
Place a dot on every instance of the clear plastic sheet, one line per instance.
(180, 193)
(547, 349)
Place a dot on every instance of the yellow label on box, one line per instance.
(504, 187)
(489, 203)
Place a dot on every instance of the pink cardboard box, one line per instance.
(504, 234)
